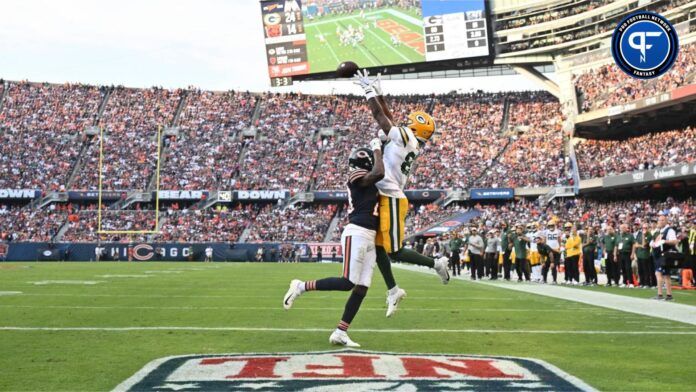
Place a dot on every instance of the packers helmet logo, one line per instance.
(271, 19)
(422, 125)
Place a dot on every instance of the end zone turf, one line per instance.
(68, 337)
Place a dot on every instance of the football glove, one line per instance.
(375, 144)
(382, 136)
(377, 84)
(362, 79)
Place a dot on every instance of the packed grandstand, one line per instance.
(293, 148)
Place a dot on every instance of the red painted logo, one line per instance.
(349, 370)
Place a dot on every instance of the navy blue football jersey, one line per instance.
(363, 202)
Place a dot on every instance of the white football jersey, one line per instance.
(553, 238)
(399, 153)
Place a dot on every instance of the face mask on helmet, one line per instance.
(361, 159)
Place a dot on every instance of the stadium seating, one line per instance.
(291, 224)
(470, 139)
(206, 153)
(41, 132)
(608, 85)
(285, 152)
(577, 29)
(599, 158)
(210, 152)
(130, 121)
(206, 226)
(531, 16)
(535, 156)
(83, 225)
(18, 224)
(479, 143)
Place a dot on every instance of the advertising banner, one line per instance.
(20, 193)
(491, 193)
(645, 176)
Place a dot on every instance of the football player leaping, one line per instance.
(358, 240)
(401, 149)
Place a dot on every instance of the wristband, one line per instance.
(370, 93)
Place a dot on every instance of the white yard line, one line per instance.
(279, 308)
(369, 330)
(646, 307)
(77, 282)
(10, 293)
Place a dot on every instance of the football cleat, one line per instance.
(393, 301)
(292, 294)
(441, 269)
(341, 338)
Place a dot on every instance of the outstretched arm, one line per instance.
(362, 79)
(377, 172)
(377, 84)
(378, 113)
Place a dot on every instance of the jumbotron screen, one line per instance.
(309, 38)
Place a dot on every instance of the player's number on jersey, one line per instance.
(408, 161)
(375, 211)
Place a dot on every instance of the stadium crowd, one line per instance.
(608, 85)
(535, 156)
(273, 224)
(285, 152)
(83, 226)
(205, 155)
(17, 224)
(131, 119)
(210, 152)
(589, 26)
(469, 129)
(525, 17)
(41, 127)
(221, 225)
(599, 158)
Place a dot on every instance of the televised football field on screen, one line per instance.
(367, 38)
(89, 326)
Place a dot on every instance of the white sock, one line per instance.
(393, 290)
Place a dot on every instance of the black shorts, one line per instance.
(661, 265)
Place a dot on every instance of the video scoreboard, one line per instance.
(307, 39)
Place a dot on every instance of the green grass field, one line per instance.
(480, 319)
(376, 49)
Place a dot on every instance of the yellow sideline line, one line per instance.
(157, 189)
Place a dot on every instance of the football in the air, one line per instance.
(346, 69)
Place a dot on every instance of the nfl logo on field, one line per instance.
(349, 370)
